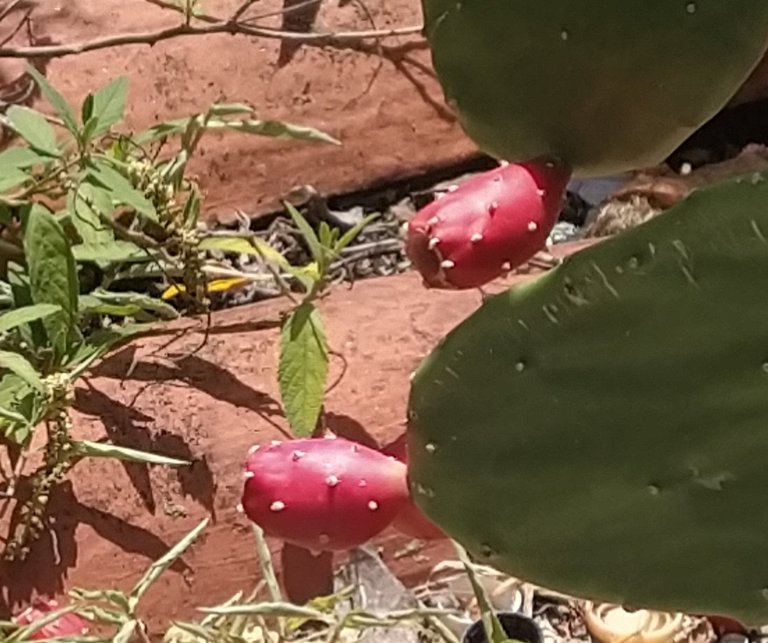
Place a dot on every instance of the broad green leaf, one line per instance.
(307, 232)
(52, 273)
(19, 366)
(21, 158)
(33, 128)
(252, 246)
(159, 567)
(55, 100)
(12, 178)
(104, 450)
(303, 368)
(86, 207)
(121, 189)
(26, 314)
(277, 129)
(115, 251)
(350, 235)
(109, 104)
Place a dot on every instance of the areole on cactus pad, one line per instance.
(602, 430)
(323, 494)
(608, 86)
(491, 224)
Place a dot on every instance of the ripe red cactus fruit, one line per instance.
(411, 521)
(723, 625)
(323, 494)
(491, 224)
(66, 625)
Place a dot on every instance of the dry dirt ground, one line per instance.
(210, 407)
(388, 113)
(392, 122)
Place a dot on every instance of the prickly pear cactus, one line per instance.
(607, 86)
(603, 429)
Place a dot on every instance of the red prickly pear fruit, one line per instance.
(411, 521)
(723, 625)
(491, 224)
(69, 625)
(323, 494)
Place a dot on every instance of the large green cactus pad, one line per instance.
(606, 85)
(603, 429)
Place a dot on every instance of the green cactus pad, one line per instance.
(603, 429)
(608, 86)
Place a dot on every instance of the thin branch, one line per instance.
(242, 9)
(181, 30)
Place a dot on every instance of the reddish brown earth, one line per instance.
(392, 124)
(210, 407)
(389, 115)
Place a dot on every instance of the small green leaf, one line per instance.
(93, 306)
(303, 368)
(350, 235)
(109, 104)
(52, 273)
(252, 246)
(26, 314)
(162, 130)
(228, 109)
(324, 235)
(116, 251)
(33, 128)
(134, 300)
(494, 631)
(192, 209)
(159, 567)
(307, 232)
(102, 596)
(104, 450)
(122, 191)
(20, 426)
(20, 405)
(18, 365)
(21, 158)
(12, 178)
(276, 129)
(55, 99)
(86, 206)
